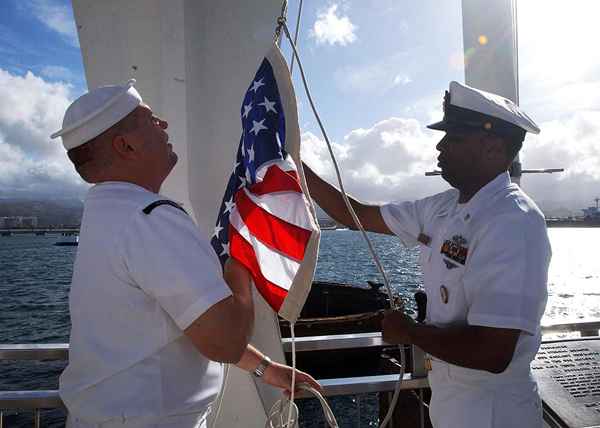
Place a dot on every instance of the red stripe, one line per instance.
(242, 251)
(273, 232)
(277, 180)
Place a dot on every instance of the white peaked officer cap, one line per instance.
(94, 112)
(467, 108)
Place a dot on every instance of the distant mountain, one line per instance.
(50, 212)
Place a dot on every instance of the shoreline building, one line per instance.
(18, 222)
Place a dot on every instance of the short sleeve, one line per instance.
(506, 274)
(170, 261)
(404, 219)
(408, 220)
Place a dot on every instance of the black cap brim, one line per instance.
(438, 126)
(450, 126)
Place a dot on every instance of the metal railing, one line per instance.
(36, 400)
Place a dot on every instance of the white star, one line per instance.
(247, 110)
(251, 154)
(258, 126)
(225, 250)
(269, 105)
(229, 205)
(257, 84)
(218, 230)
(235, 166)
(243, 182)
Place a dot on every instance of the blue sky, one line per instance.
(377, 68)
(40, 37)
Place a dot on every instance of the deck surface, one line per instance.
(568, 377)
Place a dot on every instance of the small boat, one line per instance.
(69, 240)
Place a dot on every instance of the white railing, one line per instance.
(36, 400)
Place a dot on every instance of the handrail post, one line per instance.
(418, 360)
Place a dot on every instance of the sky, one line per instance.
(378, 70)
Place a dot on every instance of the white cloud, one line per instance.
(58, 18)
(31, 163)
(571, 144)
(382, 163)
(401, 80)
(57, 72)
(387, 161)
(333, 29)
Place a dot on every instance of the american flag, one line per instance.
(264, 221)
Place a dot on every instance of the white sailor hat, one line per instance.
(467, 108)
(94, 112)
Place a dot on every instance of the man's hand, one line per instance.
(397, 328)
(280, 376)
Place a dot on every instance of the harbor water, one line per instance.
(35, 277)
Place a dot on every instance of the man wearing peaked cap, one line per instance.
(484, 253)
(152, 313)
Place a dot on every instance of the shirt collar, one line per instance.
(115, 185)
(481, 199)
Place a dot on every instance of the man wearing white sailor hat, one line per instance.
(484, 254)
(152, 313)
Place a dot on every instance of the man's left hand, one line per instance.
(396, 328)
(280, 376)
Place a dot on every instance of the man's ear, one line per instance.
(124, 148)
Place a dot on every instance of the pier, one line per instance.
(40, 231)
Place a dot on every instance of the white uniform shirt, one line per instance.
(138, 281)
(487, 265)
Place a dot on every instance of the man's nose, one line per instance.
(440, 145)
(163, 124)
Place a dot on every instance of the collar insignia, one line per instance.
(455, 249)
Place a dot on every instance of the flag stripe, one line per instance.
(244, 253)
(289, 206)
(277, 180)
(286, 164)
(274, 266)
(280, 235)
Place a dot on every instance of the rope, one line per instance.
(296, 36)
(219, 399)
(280, 407)
(293, 386)
(282, 24)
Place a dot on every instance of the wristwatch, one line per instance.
(262, 367)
